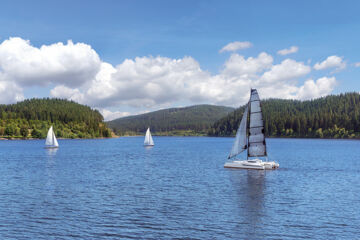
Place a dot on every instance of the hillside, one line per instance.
(194, 120)
(33, 117)
(335, 116)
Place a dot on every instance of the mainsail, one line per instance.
(148, 138)
(240, 143)
(256, 141)
(51, 139)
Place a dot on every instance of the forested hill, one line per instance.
(335, 116)
(194, 120)
(33, 117)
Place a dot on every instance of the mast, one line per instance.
(247, 129)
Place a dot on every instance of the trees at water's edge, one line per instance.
(336, 116)
(33, 117)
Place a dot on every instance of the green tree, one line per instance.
(24, 131)
(10, 130)
(36, 133)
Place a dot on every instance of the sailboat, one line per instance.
(148, 138)
(51, 141)
(250, 136)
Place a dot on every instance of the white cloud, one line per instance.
(331, 62)
(238, 65)
(154, 82)
(286, 51)
(357, 64)
(10, 92)
(287, 70)
(234, 46)
(311, 89)
(144, 83)
(62, 91)
(70, 64)
(109, 115)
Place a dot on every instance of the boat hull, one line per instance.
(256, 164)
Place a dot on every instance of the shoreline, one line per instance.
(24, 139)
(12, 138)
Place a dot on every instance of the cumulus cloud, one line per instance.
(109, 115)
(234, 46)
(319, 88)
(238, 65)
(286, 51)
(62, 91)
(76, 72)
(331, 62)
(357, 64)
(10, 92)
(287, 70)
(148, 82)
(68, 64)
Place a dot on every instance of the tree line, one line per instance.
(335, 116)
(32, 118)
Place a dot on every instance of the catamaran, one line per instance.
(51, 141)
(148, 139)
(250, 136)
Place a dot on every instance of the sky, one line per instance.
(132, 57)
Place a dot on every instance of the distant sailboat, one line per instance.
(51, 141)
(148, 138)
(251, 137)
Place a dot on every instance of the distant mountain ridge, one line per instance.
(193, 120)
(334, 116)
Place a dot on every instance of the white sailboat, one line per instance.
(148, 138)
(51, 141)
(250, 136)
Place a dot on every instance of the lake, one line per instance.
(118, 189)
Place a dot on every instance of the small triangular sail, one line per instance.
(56, 144)
(51, 139)
(148, 138)
(256, 141)
(240, 143)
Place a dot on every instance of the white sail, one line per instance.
(51, 139)
(256, 142)
(240, 143)
(56, 144)
(148, 138)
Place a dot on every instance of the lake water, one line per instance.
(117, 189)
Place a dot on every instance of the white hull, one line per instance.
(256, 164)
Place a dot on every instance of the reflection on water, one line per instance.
(51, 151)
(148, 147)
(250, 187)
(49, 171)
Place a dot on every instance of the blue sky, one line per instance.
(120, 30)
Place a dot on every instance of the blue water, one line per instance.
(117, 189)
